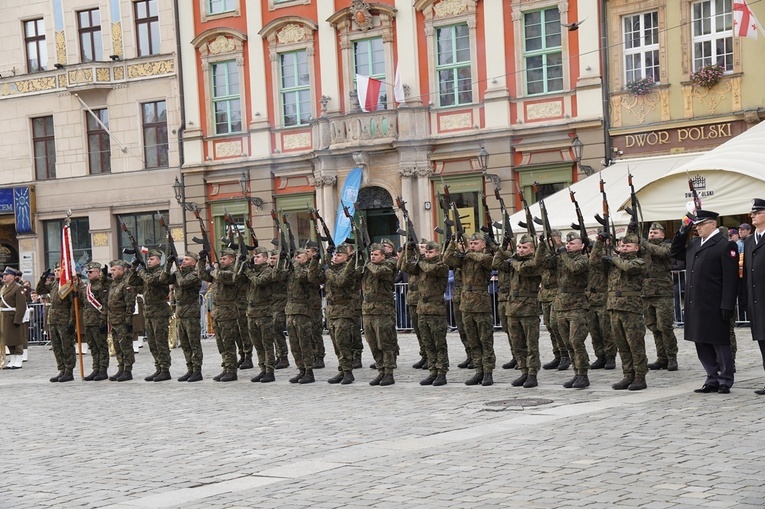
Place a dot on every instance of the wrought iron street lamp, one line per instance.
(244, 184)
(578, 147)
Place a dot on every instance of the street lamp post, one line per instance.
(244, 184)
(180, 196)
(483, 160)
(578, 147)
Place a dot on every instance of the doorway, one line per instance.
(376, 205)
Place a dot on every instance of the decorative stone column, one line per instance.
(325, 197)
(424, 218)
(407, 174)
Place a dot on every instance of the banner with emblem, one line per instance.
(66, 281)
(348, 198)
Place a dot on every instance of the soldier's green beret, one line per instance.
(193, 255)
(525, 239)
(387, 241)
(656, 226)
(477, 236)
(375, 247)
(57, 265)
(93, 266)
(555, 233)
(430, 246)
(572, 236)
(630, 238)
(311, 244)
(343, 249)
(423, 240)
(154, 252)
(228, 252)
(119, 263)
(300, 250)
(260, 250)
(274, 252)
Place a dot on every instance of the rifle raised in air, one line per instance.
(136, 251)
(634, 209)
(579, 225)
(280, 242)
(409, 234)
(529, 224)
(605, 219)
(205, 240)
(504, 226)
(488, 226)
(170, 251)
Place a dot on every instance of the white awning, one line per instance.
(726, 179)
(644, 170)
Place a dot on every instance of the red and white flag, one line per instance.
(66, 281)
(369, 92)
(745, 23)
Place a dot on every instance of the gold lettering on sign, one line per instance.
(647, 139)
(705, 132)
(696, 133)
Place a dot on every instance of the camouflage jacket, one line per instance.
(278, 290)
(597, 281)
(258, 289)
(61, 311)
(413, 283)
(658, 268)
(243, 295)
(524, 276)
(433, 275)
(223, 290)
(298, 288)
(625, 283)
(156, 288)
(476, 271)
(187, 285)
(377, 288)
(573, 273)
(549, 267)
(99, 289)
(499, 263)
(341, 284)
(121, 301)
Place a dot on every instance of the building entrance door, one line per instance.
(376, 204)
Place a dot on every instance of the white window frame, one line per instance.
(714, 35)
(545, 52)
(297, 89)
(455, 67)
(382, 99)
(641, 50)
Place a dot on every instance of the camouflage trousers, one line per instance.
(558, 345)
(503, 321)
(301, 340)
(433, 334)
(156, 333)
(572, 326)
(62, 342)
(380, 331)
(358, 341)
(524, 336)
(190, 338)
(658, 313)
(262, 340)
(628, 330)
(98, 345)
(243, 341)
(123, 347)
(599, 324)
(461, 327)
(341, 332)
(317, 329)
(415, 321)
(279, 320)
(479, 328)
(225, 338)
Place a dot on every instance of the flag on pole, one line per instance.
(369, 92)
(398, 88)
(66, 281)
(744, 21)
(348, 197)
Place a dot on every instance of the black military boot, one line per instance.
(581, 382)
(530, 382)
(57, 377)
(464, 364)
(429, 380)
(440, 380)
(258, 377)
(336, 379)
(67, 377)
(569, 384)
(356, 359)
(228, 376)
(241, 361)
(101, 375)
(599, 363)
(553, 364)
(376, 380)
(307, 378)
(162, 376)
(196, 376)
(282, 362)
(520, 380)
(387, 379)
(487, 379)
(658, 364)
(91, 376)
(373, 366)
(151, 377)
(268, 377)
(565, 362)
(112, 378)
(295, 379)
(217, 377)
(247, 364)
(672, 365)
(125, 376)
(638, 384)
(348, 378)
(185, 378)
(610, 363)
(475, 379)
(625, 383)
(420, 363)
(318, 363)
(510, 365)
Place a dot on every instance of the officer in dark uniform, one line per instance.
(754, 277)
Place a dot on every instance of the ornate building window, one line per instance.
(641, 46)
(369, 60)
(542, 51)
(278, 4)
(712, 25)
(34, 40)
(155, 146)
(226, 102)
(146, 229)
(147, 27)
(91, 44)
(44, 143)
(99, 149)
(219, 6)
(81, 242)
(295, 88)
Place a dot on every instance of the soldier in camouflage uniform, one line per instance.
(547, 293)
(571, 304)
(433, 275)
(155, 283)
(279, 318)
(259, 315)
(456, 301)
(658, 292)
(379, 313)
(341, 283)
(187, 284)
(244, 344)
(413, 296)
(476, 305)
(598, 318)
(121, 306)
(625, 283)
(298, 312)
(225, 313)
(94, 300)
(60, 325)
(317, 318)
(503, 290)
(523, 307)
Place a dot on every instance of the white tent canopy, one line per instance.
(645, 170)
(726, 179)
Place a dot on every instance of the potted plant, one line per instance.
(640, 87)
(707, 76)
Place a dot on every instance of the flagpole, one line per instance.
(76, 283)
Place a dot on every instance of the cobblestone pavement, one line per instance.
(242, 445)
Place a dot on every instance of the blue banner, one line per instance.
(23, 206)
(348, 197)
(6, 200)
